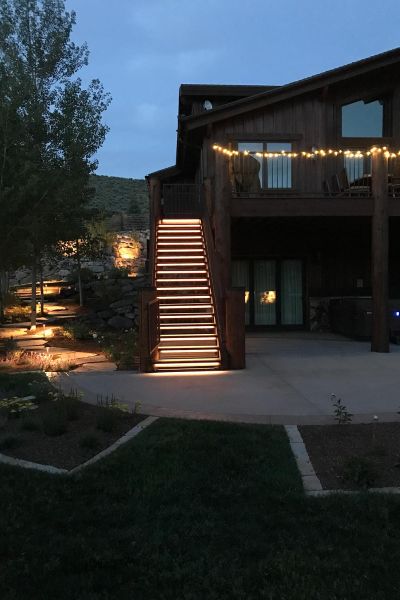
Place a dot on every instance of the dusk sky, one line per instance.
(142, 50)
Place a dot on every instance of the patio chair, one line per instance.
(347, 189)
(326, 188)
(394, 187)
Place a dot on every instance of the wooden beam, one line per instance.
(235, 328)
(380, 255)
(222, 217)
(145, 296)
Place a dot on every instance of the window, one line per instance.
(273, 172)
(363, 119)
(357, 168)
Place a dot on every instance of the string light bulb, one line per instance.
(314, 153)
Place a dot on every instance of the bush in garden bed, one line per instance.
(54, 423)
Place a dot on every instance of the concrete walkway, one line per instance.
(289, 379)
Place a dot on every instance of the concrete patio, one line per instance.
(289, 379)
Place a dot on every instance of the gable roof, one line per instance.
(290, 90)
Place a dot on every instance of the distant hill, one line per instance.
(120, 194)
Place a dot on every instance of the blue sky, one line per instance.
(142, 50)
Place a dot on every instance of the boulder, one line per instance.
(106, 314)
(119, 322)
(130, 315)
(125, 302)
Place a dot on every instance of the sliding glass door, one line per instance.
(273, 291)
(291, 292)
(264, 292)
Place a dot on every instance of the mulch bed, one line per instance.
(64, 451)
(354, 456)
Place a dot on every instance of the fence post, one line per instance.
(235, 328)
(145, 295)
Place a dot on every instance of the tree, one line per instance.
(93, 244)
(58, 125)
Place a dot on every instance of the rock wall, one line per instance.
(129, 251)
(114, 302)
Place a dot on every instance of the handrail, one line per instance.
(154, 325)
(215, 282)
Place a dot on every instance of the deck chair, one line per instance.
(347, 189)
(394, 187)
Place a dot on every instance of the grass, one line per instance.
(193, 510)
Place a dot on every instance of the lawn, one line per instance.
(193, 511)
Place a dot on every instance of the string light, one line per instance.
(314, 153)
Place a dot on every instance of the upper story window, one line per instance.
(364, 118)
(256, 171)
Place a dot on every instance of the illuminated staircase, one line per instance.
(188, 331)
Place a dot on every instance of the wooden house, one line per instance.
(284, 203)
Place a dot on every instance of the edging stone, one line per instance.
(26, 464)
(311, 483)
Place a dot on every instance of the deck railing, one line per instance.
(180, 200)
(343, 176)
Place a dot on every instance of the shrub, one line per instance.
(360, 471)
(120, 348)
(54, 423)
(89, 442)
(86, 275)
(9, 441)
(15, 314)
(30, 424)
(77, 330)
(70, 406)
(42, 390)
(107, 419)
(118, 273)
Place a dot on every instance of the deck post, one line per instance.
(155, 215)
(145, 295)
(380, 254)
(222, 217)
(235, 328)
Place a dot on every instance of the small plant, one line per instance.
(30, 424)
(112, 402)
(89, 442)
(54, 423)
(9, 442)
(340, 412)
(14, 407)
(359, 471)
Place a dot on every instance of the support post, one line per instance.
(235, 328)
(222, 217)
(145, 296)
(380, 254)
